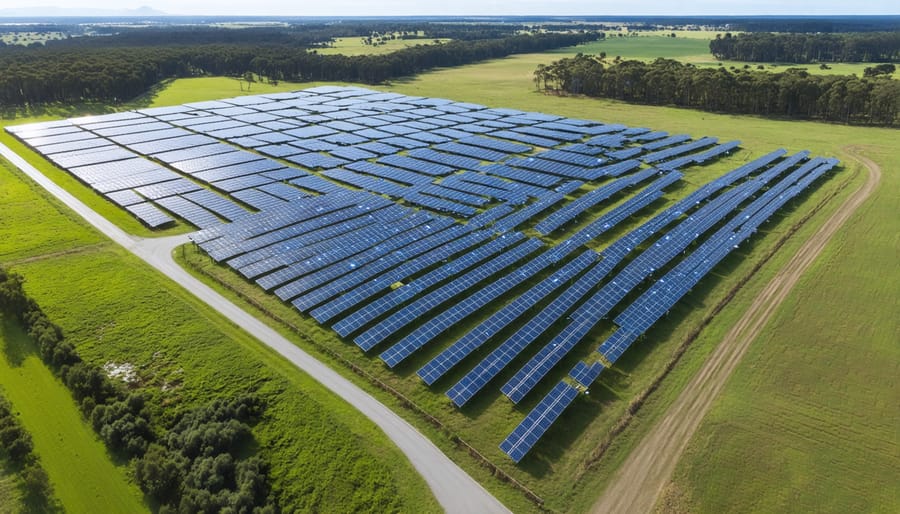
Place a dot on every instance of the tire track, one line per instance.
(648, 468)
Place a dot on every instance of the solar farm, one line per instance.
(397, 220)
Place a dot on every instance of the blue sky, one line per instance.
(484, 7)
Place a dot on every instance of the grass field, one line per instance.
(355, 46)
(27, 38)
(82, 474)
(564, 452)
(695, 50)
(185, 355)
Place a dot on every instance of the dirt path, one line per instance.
(642, 477)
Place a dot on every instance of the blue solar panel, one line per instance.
(453, 161)
(525, 176)
(589, 200)
(501, 319)
(535, 425)
(417, 165)
(490, 366)
(398, 296)
(388, 172)
(390, 325)
(472, 151)
(398, 274)
(586, 374)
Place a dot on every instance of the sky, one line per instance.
(482, 7)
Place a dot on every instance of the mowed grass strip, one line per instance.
(50, 226)
(83, 476)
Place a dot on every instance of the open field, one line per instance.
(563, 453)
(185, 355)
(355, 46)
(76, 461)
(694, 50)
(27, 38)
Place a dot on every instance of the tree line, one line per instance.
(198, 464)
(807, 48)
(63, 73)
(16, 447)
(793, 93)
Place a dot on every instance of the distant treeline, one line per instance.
(793, 93)
(808, 48)
(117, 73)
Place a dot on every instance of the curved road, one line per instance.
(639, 481)
(454, 489)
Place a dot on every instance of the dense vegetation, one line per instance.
(808, 48)
(196, 466)
(66, 73)
(16, 448)
(793, 93)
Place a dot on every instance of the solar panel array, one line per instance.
(400, 220)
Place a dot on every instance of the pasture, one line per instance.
(350, 46)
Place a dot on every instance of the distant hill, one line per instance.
(53, 12)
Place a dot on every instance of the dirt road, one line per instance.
(637, 485)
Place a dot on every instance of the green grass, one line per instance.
(82, 474)
(205, 88)
(694, 50)
(354, 46)
(11, 501)
(52, 228)
(27, 38)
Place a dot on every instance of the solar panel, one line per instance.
(535, 425)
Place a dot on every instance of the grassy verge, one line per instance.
(82, 474)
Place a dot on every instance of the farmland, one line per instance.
(507, 83)
(355, 46)
(695, 50)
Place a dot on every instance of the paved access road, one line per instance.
(454, 489)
